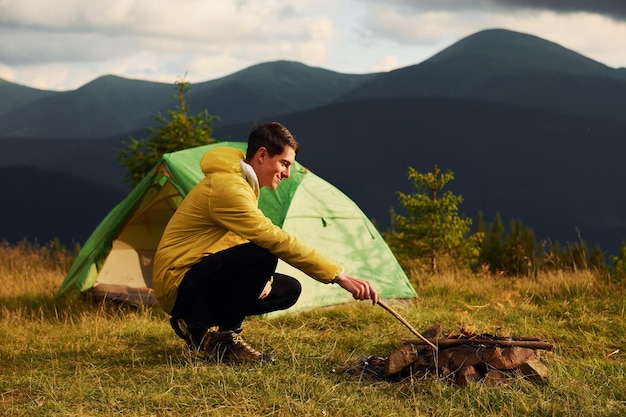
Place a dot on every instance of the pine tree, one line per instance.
(432, 226)
(181, 131)
(578, 254)
(556, 256)
(481, 226)
(492, 248)
(519, 248)
(618, 269)
(596, 260)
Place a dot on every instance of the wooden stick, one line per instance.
(446, 343)
(403, 321)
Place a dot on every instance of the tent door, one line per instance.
(126, 275)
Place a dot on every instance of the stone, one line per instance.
(400, 359)
(464, 355)
(467, 375)
(534, 369)
(508, 357)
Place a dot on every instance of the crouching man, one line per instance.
(215, 264)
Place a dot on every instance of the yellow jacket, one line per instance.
(221, 211)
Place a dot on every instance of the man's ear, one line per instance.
(261, 153)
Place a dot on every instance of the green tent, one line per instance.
(116, 260)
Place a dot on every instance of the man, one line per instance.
(216, 261)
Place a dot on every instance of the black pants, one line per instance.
(222, 289)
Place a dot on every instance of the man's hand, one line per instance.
(359, 288)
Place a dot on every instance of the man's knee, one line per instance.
(288, 287)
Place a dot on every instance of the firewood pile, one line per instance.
(463, 358)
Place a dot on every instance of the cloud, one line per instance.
(163, 24)
(24, 46)
(63, 44)
(161, 38)
(596, 36)
(614, 9)
(226, 21)
(423, 28)
(388, 63)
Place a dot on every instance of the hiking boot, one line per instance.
(194, 337)
(229, 346)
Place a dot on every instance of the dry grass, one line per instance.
(71, 358)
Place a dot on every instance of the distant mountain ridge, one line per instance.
(522, 51)
(272, 88)
(530, 129)
(507, 67)
(13, 96)
(42, 205)
(112, 105)
(493, 65)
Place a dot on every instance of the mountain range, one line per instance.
(531, 130)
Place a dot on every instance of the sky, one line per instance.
(63, 44)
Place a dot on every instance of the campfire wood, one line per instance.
(447, 343)
(406, 323)
(468, 357)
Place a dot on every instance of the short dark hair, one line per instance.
(272, 136)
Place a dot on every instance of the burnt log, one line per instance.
(424, 365)
(448, 343)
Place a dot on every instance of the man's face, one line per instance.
(271, 170)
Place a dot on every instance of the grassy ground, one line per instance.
(71, 358)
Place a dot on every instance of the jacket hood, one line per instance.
(222, 159)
